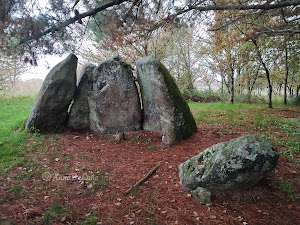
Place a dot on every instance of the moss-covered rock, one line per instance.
(237, 164)
(164, 108)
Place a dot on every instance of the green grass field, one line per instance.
(13, 113)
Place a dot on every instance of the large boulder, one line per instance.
(115, 105)
(237, 164)
(50, 110)
(164, 108)
(79, 117)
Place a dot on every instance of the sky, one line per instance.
(45, 64)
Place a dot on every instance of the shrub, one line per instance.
(199, 96)
(296, 101)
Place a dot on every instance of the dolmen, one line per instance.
(108, 98)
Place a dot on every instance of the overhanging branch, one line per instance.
(72, 20)
(265, 6)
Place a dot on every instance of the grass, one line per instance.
(252, 117)
(285, 189)
(13, 113)
(55, 212)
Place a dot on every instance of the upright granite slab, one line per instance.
(80, 112)
(164, 108)
(50, 110)
(115, 105)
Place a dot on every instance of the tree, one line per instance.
(11, 69)
(31, 27)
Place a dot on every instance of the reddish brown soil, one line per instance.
(160, 200)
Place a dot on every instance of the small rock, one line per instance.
(76, 169)
(46, 197)
(90, 186)
(76, 137)
(132, 222)
(56, 159)
(202, 195)
(118, 203)
(119, 137)
(88, 138)
(63, 219)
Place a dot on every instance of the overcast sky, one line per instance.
(45, 64)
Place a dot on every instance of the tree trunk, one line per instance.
(249, 89)
(266, 70)
(232, 86)
(286, 76)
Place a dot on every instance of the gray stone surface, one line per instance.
(80, 111)
(164, 108)
(202, 195)
(50, 111)
(237, 164)
(114, 105)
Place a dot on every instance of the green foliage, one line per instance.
(16, 190)
(284, 189)
(198, 96)
(296, 101)
(91, 219)
(152, 148)
(244, 98)
(56, 212)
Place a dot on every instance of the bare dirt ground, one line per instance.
(160, 200)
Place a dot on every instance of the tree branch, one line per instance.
(265, 6)
(273, 31)
(149, 174)
(72, 20)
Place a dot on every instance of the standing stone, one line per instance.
(164, 108)
(229, 166)
(114, 106)
(80, 111)
(50, 111)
